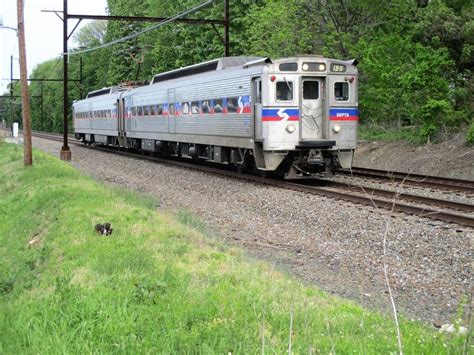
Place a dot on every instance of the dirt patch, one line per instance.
(453, 158)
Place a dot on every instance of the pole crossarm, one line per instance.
(194, 21)
(16, 96)
(61, 80)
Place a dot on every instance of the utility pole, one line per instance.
(25, 100)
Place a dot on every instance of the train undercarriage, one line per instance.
(304, 163)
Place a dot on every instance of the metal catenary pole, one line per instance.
(65, 153)
(226, 28)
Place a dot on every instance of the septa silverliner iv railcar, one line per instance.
(296, 117)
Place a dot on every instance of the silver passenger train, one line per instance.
(296, 117)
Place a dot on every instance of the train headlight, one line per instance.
(336, 128)
(290, 128)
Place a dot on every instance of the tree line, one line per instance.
(416, 56)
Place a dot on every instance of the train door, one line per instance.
(122, 135)
(90, 120)
(171, 118)
(257, 108)
(312, 98)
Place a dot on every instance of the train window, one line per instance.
(288, 66)
(259, 92)
(159, 109)
(310, 90)
(284, 91)
(146, 110)
(108, 114)
(172, 109)
(206, 106)
(139, 111)
(341, 91)
(152, 110)
(233, 104)
(218, 106)
(341, 68)
(195, 109)
(185, 108)
(314, 66)
(134, 111)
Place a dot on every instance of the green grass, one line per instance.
(156, 285)
(371, 133)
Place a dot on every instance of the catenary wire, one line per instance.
(136, 34)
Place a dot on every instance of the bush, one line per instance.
(470, 134)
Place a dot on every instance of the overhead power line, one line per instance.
(136, 34)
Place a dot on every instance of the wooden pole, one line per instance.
(25, 100)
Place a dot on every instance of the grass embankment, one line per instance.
(155, 284)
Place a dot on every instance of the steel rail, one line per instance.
(393, 205)
(460, 206)
(414, 179)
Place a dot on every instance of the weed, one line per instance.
(189, 219)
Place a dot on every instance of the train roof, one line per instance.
(211, 65)
(103, 91)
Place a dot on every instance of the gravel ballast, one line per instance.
(335, 245)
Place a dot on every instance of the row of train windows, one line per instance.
(284, 90)
(95, 114)
(229, 105)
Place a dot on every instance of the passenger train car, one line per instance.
(296, 117)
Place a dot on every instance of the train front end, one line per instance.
(310, 113)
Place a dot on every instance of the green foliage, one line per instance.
(470, 134)
(416, 57)
(374, 133)
(155, 285)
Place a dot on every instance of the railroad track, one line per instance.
(435, 202)
(413, 179)
(378, 198)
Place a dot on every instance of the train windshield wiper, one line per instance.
(288, 84)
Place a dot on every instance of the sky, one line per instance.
(44, 32)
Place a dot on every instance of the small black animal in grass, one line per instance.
(103, 229)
